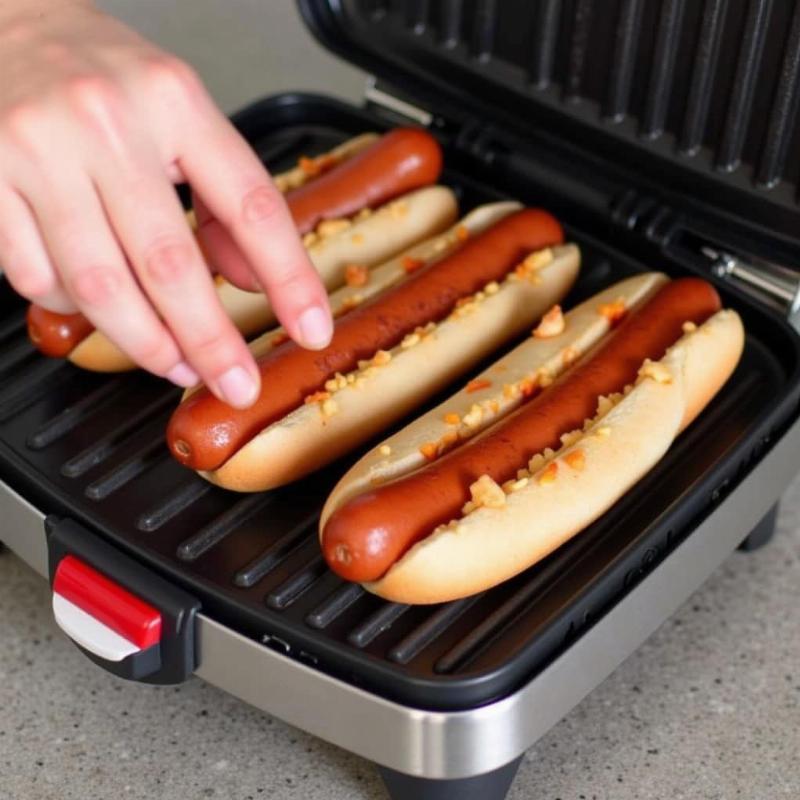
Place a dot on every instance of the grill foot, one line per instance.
(762, 533)
(491, 786)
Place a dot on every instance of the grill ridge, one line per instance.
(335, 604)
(31, 384)
(784, 110)
(15, 355)
(430, 630)
(299, 583)
(173, 504)
(743, 88)
(72, 416)
(106, 445)
(545, 39)
(213, 533)
(620, 79)
(489, 627)
(376, 624)
(452, 12)
(483, 30)
(417, 15)
(276, 553)
(703, 74)
(578, 51)
(144, 458)
(663, 67)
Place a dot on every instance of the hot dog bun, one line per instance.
(361, 404)
(398, 268)
(366, 241)
(494, 393)
(491, 544)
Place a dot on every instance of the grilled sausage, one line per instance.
(204, 432)
(401, 160)
(364, 537)
(55, 334)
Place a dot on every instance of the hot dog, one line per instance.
(394, 166)
(376, 536)
(204, 433)
(366, 241)
(361, 284)
(400, 161)
(57, 335)
(357, 405)
(308, 168)
(498, 390)
(54, 334)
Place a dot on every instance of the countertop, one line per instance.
(707, 709)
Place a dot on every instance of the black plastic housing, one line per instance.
(693, 100)
(91, 447)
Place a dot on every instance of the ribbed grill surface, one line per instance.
(92, 446)
(710, 83)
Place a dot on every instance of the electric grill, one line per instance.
(663, 134)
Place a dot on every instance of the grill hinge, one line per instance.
(779, 283)
(766, 280)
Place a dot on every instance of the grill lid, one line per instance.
(696, 98)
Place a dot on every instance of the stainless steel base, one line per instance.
(454, 745)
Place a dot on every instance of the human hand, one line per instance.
(96, 125)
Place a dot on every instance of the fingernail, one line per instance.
(238, 387)
(183, 375)
(316, 328)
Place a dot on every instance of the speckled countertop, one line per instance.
(708, 708)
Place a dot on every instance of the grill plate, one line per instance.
(91, 447)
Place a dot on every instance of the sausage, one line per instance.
(54, 334)
(204, 432)
(401, 160)
(368, 533)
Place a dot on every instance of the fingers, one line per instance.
(221, 252)
(91, 219)
(24, 256)
(95, 273)
(151, 226)
(238, 193)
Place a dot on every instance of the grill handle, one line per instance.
(120, 614)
